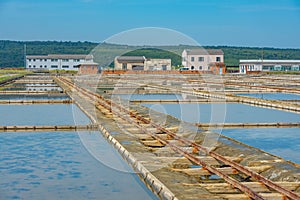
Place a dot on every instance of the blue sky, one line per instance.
(262, 23)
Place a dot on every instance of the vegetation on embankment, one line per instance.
(12, 52)
(9, 74)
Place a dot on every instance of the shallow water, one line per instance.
(284, 142)
(273, 96)
(32, 97)
(218, 113)
(42, 114)
(55, 165)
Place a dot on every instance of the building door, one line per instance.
(221, 70)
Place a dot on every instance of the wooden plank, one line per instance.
(212, 161)
(225, 188)
(225, 170)
(152, 143)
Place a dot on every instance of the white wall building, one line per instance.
(56, 61)
(268, 65)
(141, 63)
(200, 59)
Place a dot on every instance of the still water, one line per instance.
(42, 114)
(231, 112)
(56, 165)
(273, 96)
(33, 97)
(284, 142)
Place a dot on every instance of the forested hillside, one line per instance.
(12, 52)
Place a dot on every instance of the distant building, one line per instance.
(251, 66)
(141, 63)
(56, 61)
(88, 68)
(202, 59)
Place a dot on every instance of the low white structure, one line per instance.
(201, 59)
(56, 61)
(141, 63)
(248, 66)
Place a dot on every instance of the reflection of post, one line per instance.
(262, 59)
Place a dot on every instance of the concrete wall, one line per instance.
(150, 64)
(158, 64)
(88, 69)
(119, 66)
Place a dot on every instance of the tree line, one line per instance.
(12, 52)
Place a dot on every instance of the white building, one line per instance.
(248, 66)
(56, 61)
(200, 59)
(141, 63)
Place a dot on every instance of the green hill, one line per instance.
(12, 52)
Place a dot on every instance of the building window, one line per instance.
(192, 67)
(29, 60)
(29, 66)
(45, 66)
(76, 60)
(75, 66)
(33, 66)
(208, 68)
(65, 60)
(200, 67)
(41, 60)
(54, 66)
(200, 59)
(65, 66)
(192, 59)
(41, 66)
(54, 60)
(218, 59)
(33, 60)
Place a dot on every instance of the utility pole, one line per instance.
(25, 56)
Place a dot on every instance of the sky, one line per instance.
(255, 23)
